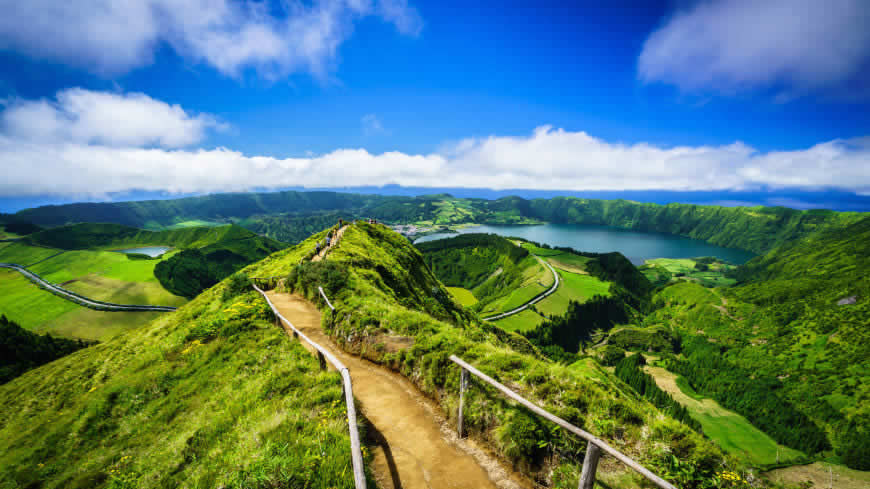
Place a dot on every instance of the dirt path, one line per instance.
(416, 450)
(334, 242)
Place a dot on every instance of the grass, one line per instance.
(573, 287)
(194, 223)
(25, 255)
(100, 275)
(730, 430)
(42, 312)
(464, 296)
(213, 395)
(536, 278)
(663, 270)
(820, 474)
(521, 321)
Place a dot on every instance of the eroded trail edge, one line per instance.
(415, 447)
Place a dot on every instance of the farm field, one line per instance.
(536, 279)
(464, 296)
(42, 312)
(521, 321)
(663, 270)
(100, 275)
(573, 287)
(730, 430)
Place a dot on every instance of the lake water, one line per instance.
(637, 246)
(147, 250)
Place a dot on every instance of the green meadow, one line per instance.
(731, 431)
(464, 296)
(100, 275)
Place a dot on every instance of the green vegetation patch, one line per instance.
(211, 395)
(464, 296)
(573, 287)
(731, 431)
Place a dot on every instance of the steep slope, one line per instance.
(391, 309)
(102, 235)
(798, 324)
(212, 395)
(500, 274)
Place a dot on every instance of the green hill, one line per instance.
(497, 272)
(74, 256)
(797, 324)
(212, 395)
(91, 235)
(383, 290)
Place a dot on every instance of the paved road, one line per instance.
(533, 301)
(78, 299)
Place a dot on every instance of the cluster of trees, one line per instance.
(15, 225)
(21, 350)
(629, 370)
(293, 228)
(749, 394)
(468, 259)
(658, 340)
(574, 328)
(191, 271)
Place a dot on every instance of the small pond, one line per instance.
(152, 251)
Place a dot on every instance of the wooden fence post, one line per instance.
(463, 384)
(590, 466)
(321, 359)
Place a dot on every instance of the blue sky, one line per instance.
(204, 96)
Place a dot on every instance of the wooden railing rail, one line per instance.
(595, 446)
(323, 355)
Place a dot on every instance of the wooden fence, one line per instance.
(595, 445)
(323, 355)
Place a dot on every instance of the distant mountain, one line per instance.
(757, 229)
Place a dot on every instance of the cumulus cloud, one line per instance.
(72, 148)
(794, 46)
(109, 119)
(114, 36)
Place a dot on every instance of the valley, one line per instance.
(404, 306)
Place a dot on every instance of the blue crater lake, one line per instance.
(637, 246)
(152, 251)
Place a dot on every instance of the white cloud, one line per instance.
(792, 46)
(114, 36)
(109, 119)
(76, 147)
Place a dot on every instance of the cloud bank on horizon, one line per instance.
(76, 145)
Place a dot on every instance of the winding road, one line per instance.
(78, 299)
(533, 301)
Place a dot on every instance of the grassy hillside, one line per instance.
(785, 324)
(117, 277)
(213, 395)
(500, 275)
(100, 235)
(382, 289)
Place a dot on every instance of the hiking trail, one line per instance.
(416, 449)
